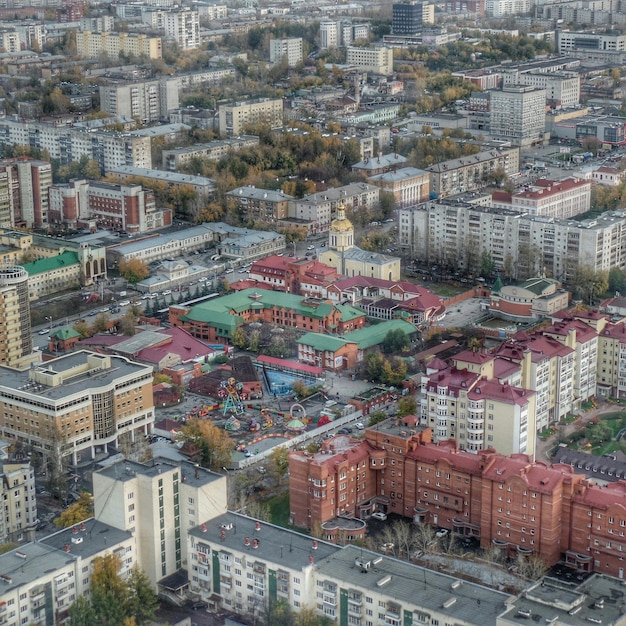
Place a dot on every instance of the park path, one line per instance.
(544, 448)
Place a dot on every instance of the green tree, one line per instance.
(377, 417)
(394, 371)
(239, 338)
(109, 593)
(374, 363)
(223, 287)
(589, 285)
(395, 341)
(617, 280)
(142, 602)
(599, 433)
(82, 613)
(407, 405)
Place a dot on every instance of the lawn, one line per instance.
(445, 290)
(279, 511)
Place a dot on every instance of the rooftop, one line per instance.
(49, 264)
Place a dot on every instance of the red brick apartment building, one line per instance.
(512, 503)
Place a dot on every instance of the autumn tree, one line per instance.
(407, 405)
(213, 443)
(77, 512)
(133, 270)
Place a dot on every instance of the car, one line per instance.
(442, 532)
(123, 302)
(344, 431)
(261, 469)
(229, 271)
(93, 314)
(45, 331)
(199, 605)
(167, 292)
(247, 453)
(310, 247)
(379, 515)
(359, 426)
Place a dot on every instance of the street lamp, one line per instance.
(49, 320)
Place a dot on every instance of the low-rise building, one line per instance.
(214, 150)
(377, 60)
(260, 205)
(235, 118)
(531, 300)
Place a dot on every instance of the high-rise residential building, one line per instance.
(158, 503)
(330, 34)
(16, 343)
(376, 60)
(518, 115)
(24, 187)
(77, 404)
(236, 117)
(410, 17)
(289, 50)
(65, 143)
(183, 26)
(502, 8)
(98, 23)
(91, 45)
(17, 490)
(146, 101)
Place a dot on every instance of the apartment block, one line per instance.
(264, 205)
(175, 158)
(469, 173)
(145, 101)
(24, 184)
(17, 489)
(183, 27)
(375, 60)
(234, 118)
(68, 144)
(97, 24)
(288, 50)
(90, 45)
(562, 88)
(76, 404)
(517, 114)
(502, 8)
(158, 503)
(611, 365)
(110, 206)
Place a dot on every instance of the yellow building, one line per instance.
(91, 45)
(349, 259)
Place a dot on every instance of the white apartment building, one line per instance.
(158, 503)
(234, 118)
(523, 245)
(146, 101)
(10, 41)
(183, 27)
(517, 114)
(502, 8)
(76, 404)
(109, 149)
(562, 88)
(98, 24)
(289, 50)
(376, 60)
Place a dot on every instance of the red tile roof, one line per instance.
(470, 356)
(550, 187)
(455, 380)
(500, 392)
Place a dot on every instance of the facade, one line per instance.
(109, 149)
(409, 185)
(289, 50)
(472, 172)
(374, 60)
(146, 101)
(262, 205)
(502, 8)
(112, 206)
(24, 184)
(562, 88)
(16, 343)
(90, 45)
(76, 404)
(517, 114)
(611, 366)
(157, 503)
(525, 245)
(183, 27)
(234, 118)
(214, 150)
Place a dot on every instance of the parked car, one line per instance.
(344, 431)
(124, 303)
(167, 292)
(442, 532)
(310, 247)
(359, 426)
(199, 605)
(45, 331)
(379, 515)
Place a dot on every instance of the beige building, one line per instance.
(19, 519)
(158, 503)
(518, 115)
(77, 404)
(289, 50)
(409, 185)
(90, 45)
(234, 118)
(376, 60)
(183, 27)
(350, 260)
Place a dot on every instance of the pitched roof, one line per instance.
(374, 335)
(65, 333)
(321, 342)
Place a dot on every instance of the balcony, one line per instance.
(328, 599)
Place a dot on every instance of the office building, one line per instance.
(236, 118)
(16, 344)
(145, 101)
(76, 404)
(286, 50)
(183, 27)
(409, 185)
(158, 503)
(374, 60)
(410, 17)
(330, 34)
(90, 45)
(570, 41)
(517, 114)
(562, 88)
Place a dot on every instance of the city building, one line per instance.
(16, 343)
(19, 520)
(611, 366)
(517, 114)
(90, 45)
(76, 404)
(260, 205)
(409, 185)
(502, 8)
(175, 158)
(234, 119)
(287, 50)
(409, 17)
(183, 27)
(375, 60)
(349, 260)
(216, 320)
(571, 41)
(68, 144)
(380, 164)
(158, 503)
(111, 206)
(24, 184)
(470, 173)
(562, 88)
(534, 299)
(97, 23)
(146, 101)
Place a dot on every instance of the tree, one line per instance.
(109, 593)
(81, 510)
(223, 287)
(407, 405)
(589, 285)
(394, 371)
(81, 612)
(142, 602)
(214, 443)
(395, 341)
(134, 270)
(279, 461)
(376, 417)
(374, 363)
(617, 280)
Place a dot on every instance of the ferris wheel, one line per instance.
(231, 392)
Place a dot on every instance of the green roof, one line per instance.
(348, 312)
(219, 320)
(374, 335)
(321, 342)
(42, 266)
(67, 332)
(537, 285)
(497, 286)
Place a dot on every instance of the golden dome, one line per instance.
(341, 223)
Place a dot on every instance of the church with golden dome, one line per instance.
(349, 260)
